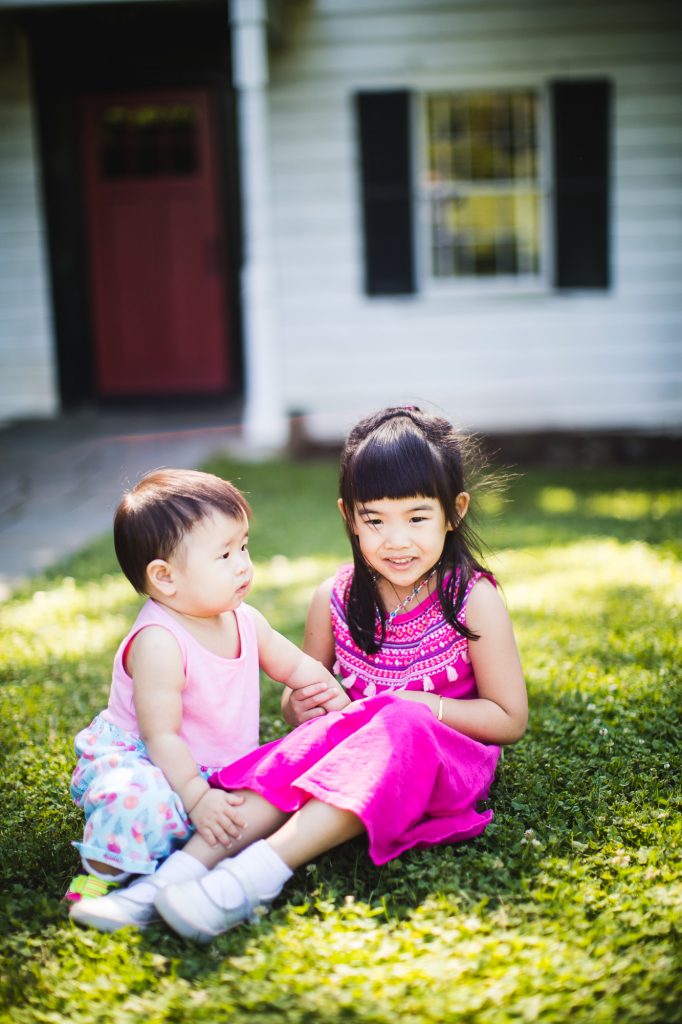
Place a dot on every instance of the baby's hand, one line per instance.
(216, 819)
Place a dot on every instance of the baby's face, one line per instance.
(212, 566)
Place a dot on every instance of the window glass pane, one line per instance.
(481, 184)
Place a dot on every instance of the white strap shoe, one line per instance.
(192, 913)
(115, 910)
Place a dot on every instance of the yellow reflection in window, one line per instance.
(482, 183)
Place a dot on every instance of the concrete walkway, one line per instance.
(60, 480)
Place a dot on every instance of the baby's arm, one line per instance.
(500, 712)
(286, 663)
(318, 641)
(155, 663)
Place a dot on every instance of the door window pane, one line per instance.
(148, 141)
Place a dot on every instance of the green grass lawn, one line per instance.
(567, 908)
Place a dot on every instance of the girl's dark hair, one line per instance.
(152, 518)
(405, 453)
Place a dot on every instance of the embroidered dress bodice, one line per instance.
(411, 780)
(422, 651)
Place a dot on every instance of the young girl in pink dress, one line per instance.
(422, 640)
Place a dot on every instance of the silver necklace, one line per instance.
(411, 597)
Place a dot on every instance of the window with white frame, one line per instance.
(486, 158)
(482, 197)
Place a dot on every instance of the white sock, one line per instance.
(265, 868)
(179, 867)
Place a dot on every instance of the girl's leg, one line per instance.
(313, 830)
(298, 838)
(262, 819)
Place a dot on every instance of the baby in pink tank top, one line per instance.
(184, 697)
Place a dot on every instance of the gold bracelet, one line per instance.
(440, 710)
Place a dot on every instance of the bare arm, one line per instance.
(155, 664)
(500, 712)
(318, 641)
(285, 662)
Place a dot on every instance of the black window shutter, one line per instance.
(385, 161)
(581, 150)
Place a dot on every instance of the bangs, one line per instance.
(402, 466)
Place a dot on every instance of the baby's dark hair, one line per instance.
(402, 452)
(152, 518)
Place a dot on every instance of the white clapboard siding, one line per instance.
(27, 368)
(348, 63)
(513, 359)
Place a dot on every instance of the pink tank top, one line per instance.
(422, 651)
(221, 696)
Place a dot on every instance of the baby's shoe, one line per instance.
(192, 912)
(133, 906)
(87, 887)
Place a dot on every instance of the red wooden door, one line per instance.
(158, 274)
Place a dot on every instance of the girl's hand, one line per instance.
(311, 702)
(216, 819)
(338, 701)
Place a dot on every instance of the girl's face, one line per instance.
(212, 568)
(403, 538)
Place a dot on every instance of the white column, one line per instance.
(265, 424)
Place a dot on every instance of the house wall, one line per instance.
(493, 361)
(27, 360)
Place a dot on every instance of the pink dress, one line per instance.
(412, 780)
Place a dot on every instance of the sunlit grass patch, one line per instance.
(619, 504)
(65, 619)
(590, 573)
(283, 588)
